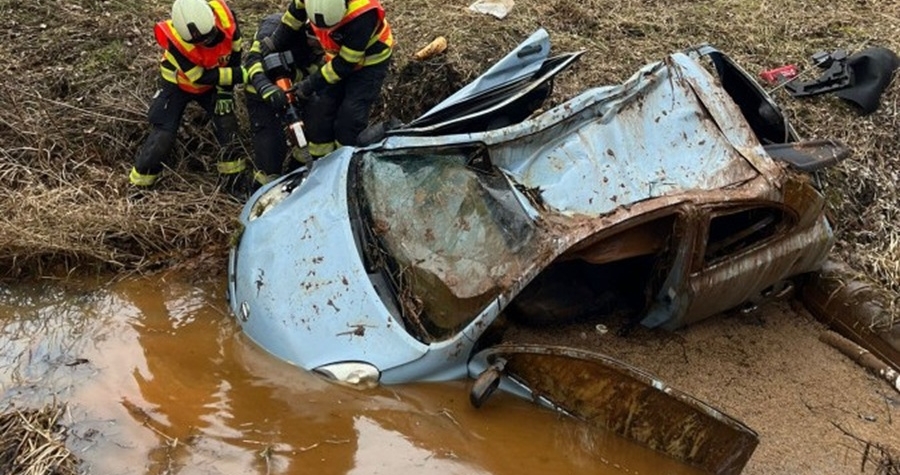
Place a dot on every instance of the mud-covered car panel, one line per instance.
(611, 395)
(618, 200)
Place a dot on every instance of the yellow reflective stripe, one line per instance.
(299, 155)
(260, 177)
(355, 5)
(169, 75)
(351, 55)
(220, 12)
(320, 149)
(226, 77)
(291, 20)
(170, 58)
(328, 73)
(377, 58)
(232, 167)
(138, 179)
(376, 38)
(194, 73)
(254, 69)
(185, 46)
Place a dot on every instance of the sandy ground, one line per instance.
(815, 410)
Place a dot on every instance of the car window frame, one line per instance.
(478, 161)
(786, 224)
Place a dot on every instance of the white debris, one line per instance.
(497, 8)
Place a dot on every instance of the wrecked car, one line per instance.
(676, 195)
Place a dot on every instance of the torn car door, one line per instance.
(610, 395)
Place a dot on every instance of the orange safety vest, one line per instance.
(356, 8)
(205, 57)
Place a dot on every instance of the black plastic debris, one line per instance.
(872, 71)
(836, 75)
(859, 79)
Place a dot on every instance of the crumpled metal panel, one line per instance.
(611, 395)
(652, 136)
(524, 61)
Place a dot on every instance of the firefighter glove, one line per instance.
(224, 102)
(303, 89)
(273, 95)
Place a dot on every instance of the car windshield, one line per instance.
(452, 235)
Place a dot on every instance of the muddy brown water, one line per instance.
(158, 378)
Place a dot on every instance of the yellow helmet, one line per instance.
(194, 20)
(325, 13)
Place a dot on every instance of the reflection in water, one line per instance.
(159, 379)
(389, 452)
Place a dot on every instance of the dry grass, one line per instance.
(32, 442)
(79, 76)
(74, 104)
(880, 459)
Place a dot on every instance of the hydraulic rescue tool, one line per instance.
(279, 68)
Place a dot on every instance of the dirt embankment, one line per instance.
(815, 410)
(80, 76)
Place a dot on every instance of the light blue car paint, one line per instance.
(297, 281)
(303, 284)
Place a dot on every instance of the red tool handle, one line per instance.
(779, 74)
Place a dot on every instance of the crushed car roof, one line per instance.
(665, 131)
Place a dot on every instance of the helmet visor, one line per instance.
(208, 39)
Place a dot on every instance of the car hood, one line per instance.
(333, 307)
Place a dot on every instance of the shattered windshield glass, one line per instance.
(454, 235)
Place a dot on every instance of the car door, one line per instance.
(741, 250)
(614, 397)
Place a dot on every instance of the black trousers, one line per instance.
(341, 111)
(269, 142)
(165, 116)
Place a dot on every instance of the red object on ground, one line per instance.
(779, 74)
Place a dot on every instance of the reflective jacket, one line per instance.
(194, 77)
(345, 49)
(374, 53)
(305, 50)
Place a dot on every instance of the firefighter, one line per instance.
(201, 62)
(358, 42)
(267, 103)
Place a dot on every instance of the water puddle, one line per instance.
(159, 379)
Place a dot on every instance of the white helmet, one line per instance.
(325, 13)
(193, 19)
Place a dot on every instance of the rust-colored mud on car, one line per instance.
(611, 395)
(855, 309)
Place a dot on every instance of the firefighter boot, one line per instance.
(149, 161)
(238, 185)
